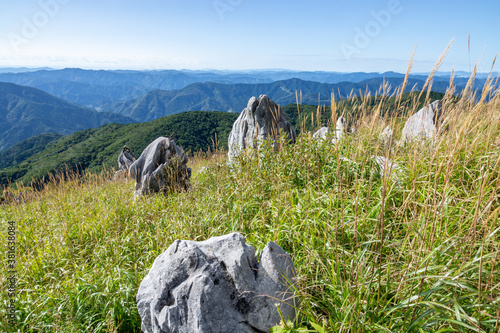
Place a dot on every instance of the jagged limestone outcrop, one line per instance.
(340, 128)
(217, 285)
(423, 124)
(125, 160)
(261, 120)
(160, 168)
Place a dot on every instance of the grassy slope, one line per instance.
(371, 254)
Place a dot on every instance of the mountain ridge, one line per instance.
(195, 130)
(99, 89)
(26, 112)
(212, 96)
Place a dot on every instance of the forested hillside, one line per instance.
(94, 149)
(26, 112)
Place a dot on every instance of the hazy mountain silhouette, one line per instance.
(26, 112)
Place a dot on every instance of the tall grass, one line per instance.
(413, 251)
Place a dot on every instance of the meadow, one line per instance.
(414, 250)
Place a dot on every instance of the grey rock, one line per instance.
(161, 166)
(20, 198)
(340, 128)
(423, 124)
(260, 120)
(120, 175)
(8, 195)
(125, 159)
(216, 286)
(323, 132)
(386, 136)
(388, 167)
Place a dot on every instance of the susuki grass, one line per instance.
(412, 251)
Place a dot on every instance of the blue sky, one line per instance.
(328, 35)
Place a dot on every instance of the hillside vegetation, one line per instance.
(95, 149)
(26, 148)
(37, 157)
(26, 112)
(374, 253)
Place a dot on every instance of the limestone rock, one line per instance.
(260, 120)
(8, 195)
(216, 286)
(423, 124)
(120, 175)
(162, 165)
(125, 159)
(386, 136)
(393, 170)
(340, 127)
(22, 197)
(321, 133)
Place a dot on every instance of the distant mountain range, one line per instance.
(101, 89)
(234, 97)
(23, 69)
(26, 112)
(39, 109)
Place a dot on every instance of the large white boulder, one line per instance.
(161, 165)
(340, 130)
(423, 124)
(260, 120)
(215, 286)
